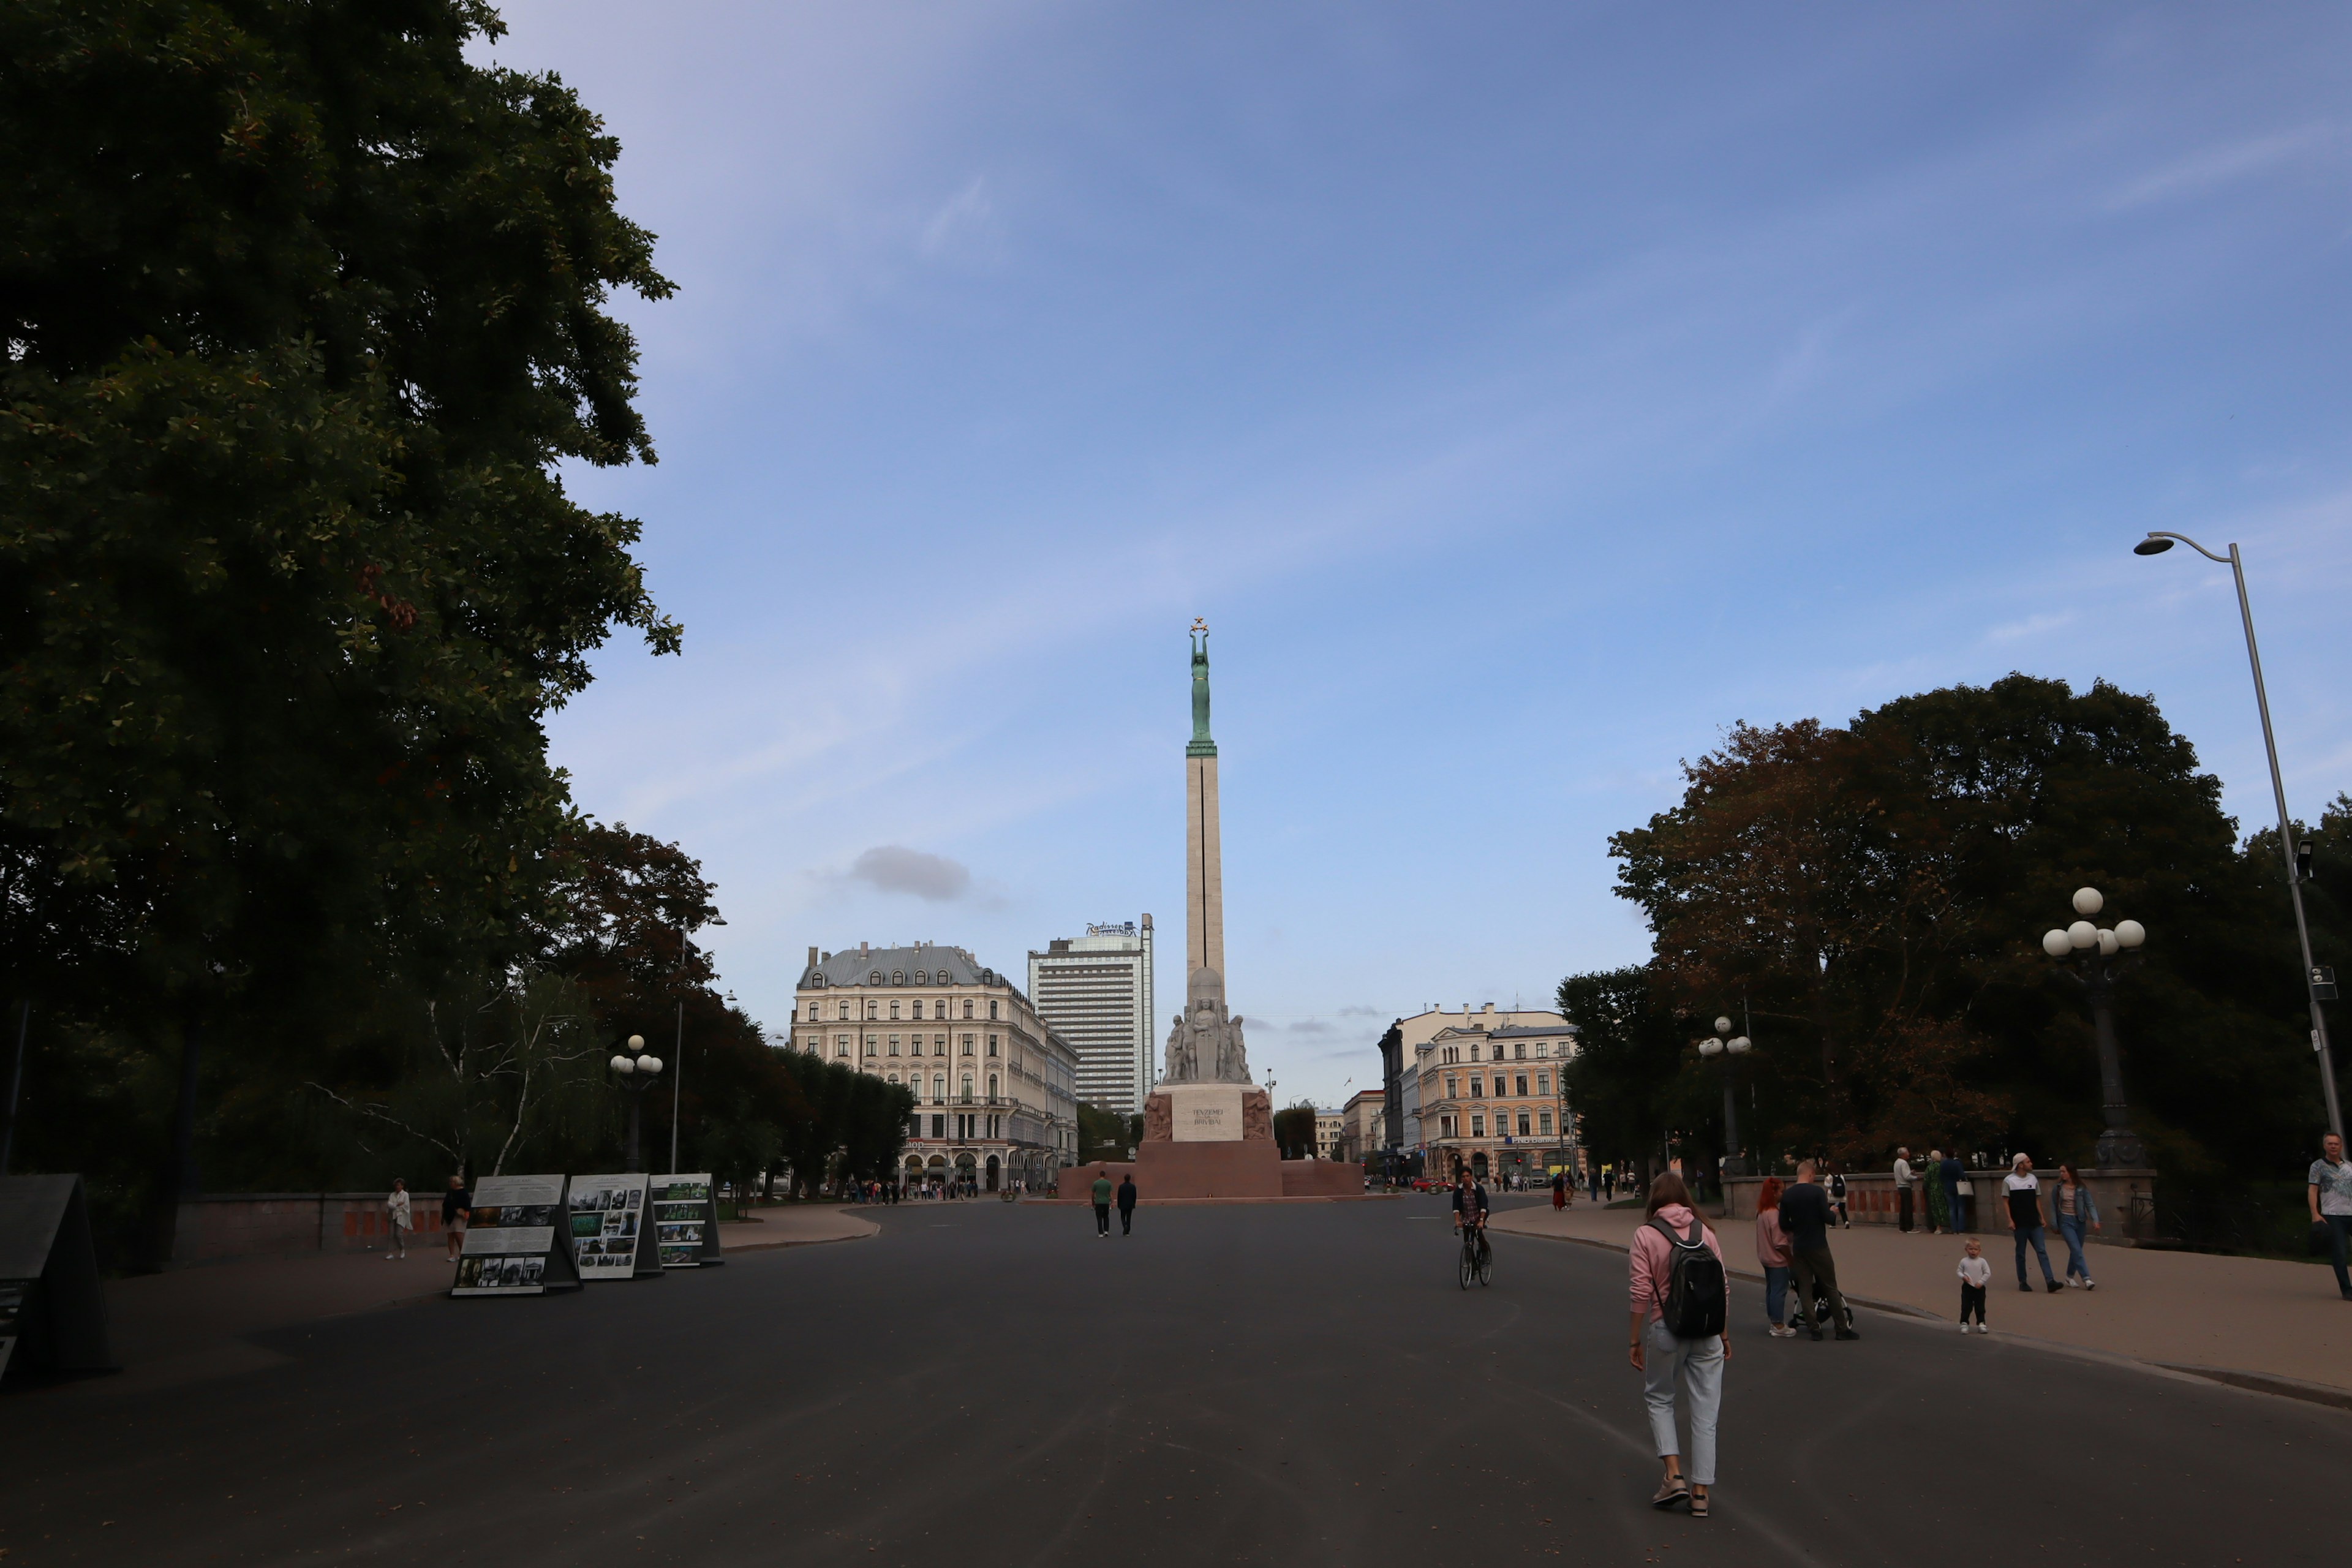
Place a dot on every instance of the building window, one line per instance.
(1519, 1052)
(967, 1044)
(1477, 1087)
(1522, 1081)
(869, 1045)
(894, 1077)
(991, 1009)
(1543, 1123)
(845, 1007)
(1452, 1087)
(894, 1044)
(991, 1044)
(1523, 1124)
(967, 1089)
(992, 1088)
(1543, 1047)
(1543, 1083)
(1478, 1125)
(874, 1009)
(938, 1092)
(939, 1124)
(812, 1012)
(841, 1045)
(893, 1009)
(938, 1045)
(967, 1008)
(1474, 1051)
(1445, 1127)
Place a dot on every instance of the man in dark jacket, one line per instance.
(1127, 1204)
(1953, 1174)
(1805, 1220)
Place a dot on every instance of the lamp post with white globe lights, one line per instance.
(1723, 1043)
(638, 1072)
(2095, 952)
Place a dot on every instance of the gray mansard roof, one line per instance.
(1529, 1031)
(898, 966)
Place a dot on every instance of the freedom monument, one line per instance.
(1208, 1128)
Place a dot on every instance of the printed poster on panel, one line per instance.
(606, 1212)
(684, 1219)
(509, 1236)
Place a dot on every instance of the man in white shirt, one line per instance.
(2021, 1189)
(1903, 1177)
(2330, 1191)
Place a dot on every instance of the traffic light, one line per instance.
(2303, 861)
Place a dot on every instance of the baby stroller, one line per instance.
(1821, 1308)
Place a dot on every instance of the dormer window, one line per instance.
(874, 978)
(921, 978)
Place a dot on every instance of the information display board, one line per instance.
(517, 1241)
(686, 1221)
(52, 1306)
(607, 1230)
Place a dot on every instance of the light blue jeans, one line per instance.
(1776, 1293)
(1699, 1363)
(2072, 1231)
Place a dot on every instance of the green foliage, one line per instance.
(1876, 895)
(1629, 1085)
(1294, 1131)
(1106, 1134)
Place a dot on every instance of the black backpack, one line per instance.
(1694, 1306)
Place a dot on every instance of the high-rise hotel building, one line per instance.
(1095, 991)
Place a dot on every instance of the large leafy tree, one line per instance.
(1875, 894)
(300, 313)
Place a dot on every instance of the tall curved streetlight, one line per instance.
(638, 1072)
(1728, 1047)
(2095, 948)
(2156, 543)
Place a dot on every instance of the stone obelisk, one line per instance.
(1204, 879)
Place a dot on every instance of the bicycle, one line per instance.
(1477, 1256)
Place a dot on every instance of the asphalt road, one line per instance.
(989, 1383)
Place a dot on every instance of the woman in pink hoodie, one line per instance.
(1660, 1357)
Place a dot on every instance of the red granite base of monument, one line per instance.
(1167, 1171)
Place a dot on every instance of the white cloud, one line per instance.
(967, 218)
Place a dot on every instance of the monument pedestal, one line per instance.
(1216, 1140)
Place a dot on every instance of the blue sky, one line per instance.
(1524, 393)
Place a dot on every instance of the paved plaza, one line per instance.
(1280, 1383)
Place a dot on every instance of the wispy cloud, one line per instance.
(1313, 1026)
(965, 221)
(2219, 166)
(2030, 627)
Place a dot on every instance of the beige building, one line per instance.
(995, 1088)
(1491, 1098)
(1360, 1123)
(1414, 1037)
(1328, 1125)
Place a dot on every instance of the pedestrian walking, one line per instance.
(1772, 1253)
(1953, 1174)
(1976, 1273)
(1805, 1217)
(398, 1218)
(457, 1209)
(1593, 1174)
(2075, 1208)
(1837, 1197)
(1102, 1205)
(1931, 1191)
(1127, 1203)
(1681, 1300)
(1903, 1177)
(1558, 1191)
(2330, 1192)
(2021, 1212)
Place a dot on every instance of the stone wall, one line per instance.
(216, 1227)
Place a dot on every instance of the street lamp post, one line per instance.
(639, 1072)
(2156, 543)
(1717, 1044)
(2097, 950)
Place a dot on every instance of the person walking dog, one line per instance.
(2075, 1208)
(2023, 1214)
(1681, 1301)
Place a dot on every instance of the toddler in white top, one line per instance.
(1976, 1273)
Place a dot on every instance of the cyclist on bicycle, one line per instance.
(1469, 1202)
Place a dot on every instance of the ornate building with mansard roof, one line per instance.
(995, 1088)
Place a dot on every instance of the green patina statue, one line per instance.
(1202, 746)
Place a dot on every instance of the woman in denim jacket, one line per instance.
(2069, 1193)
